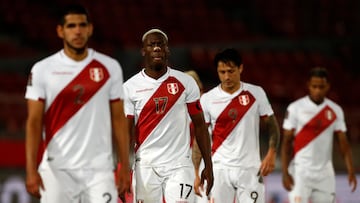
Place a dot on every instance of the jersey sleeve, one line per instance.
(35, 87)
(117, 90)
(340, 121)
(265, 107)
(290, 118)
(192, 90)
(205, 108)
(129, 107)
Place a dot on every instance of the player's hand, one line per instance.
(197, 185)
(352, 181)
(123, 182)
(34, 183)
(288, 182)
(207, 174)
(268, 164)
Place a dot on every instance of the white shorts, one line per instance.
(74, 186)
(318, 190)
(174, 185)
(244, 186)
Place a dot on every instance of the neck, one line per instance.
(155, 73)
(230, 89)
(76, 54)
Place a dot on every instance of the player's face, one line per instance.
(318, 88)
(155, 51)
(229, 75)
(75, 32)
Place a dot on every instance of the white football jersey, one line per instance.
(160, 113)
(314, 127)
(235, 121)
(77, 96)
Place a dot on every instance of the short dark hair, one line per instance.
(320, 72)
(228, 55)
(73, 9)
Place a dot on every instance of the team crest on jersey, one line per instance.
(329, 115)
(96, 74)
(172, 88)
(244, 99)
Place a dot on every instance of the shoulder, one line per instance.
(133, 80)
(298, 103)
(44, 63)
(103, 58)
(252, 87)
(333, 105)
(180, 75)
(207, 96)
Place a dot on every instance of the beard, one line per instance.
(78, 50)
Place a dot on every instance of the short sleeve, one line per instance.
(116, 90)
(35, 89)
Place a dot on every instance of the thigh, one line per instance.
(179, 187)
(250, 187)
(59, 187)
(148, 186)
(301, 190)
(101, 189)
(324, 190)
(222, 185)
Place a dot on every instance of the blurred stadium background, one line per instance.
(279, 40)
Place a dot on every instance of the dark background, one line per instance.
(280, 40)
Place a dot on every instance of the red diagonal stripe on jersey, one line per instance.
(74, 96)
(314, 128)
(230, 117)
(157, 107)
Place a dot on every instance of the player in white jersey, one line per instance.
(75, 104)
(233, 110)
(158, 102)
(310, 126)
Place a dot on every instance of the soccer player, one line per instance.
(310, 126)
(158, 101)
(75, 104)
(233, 110)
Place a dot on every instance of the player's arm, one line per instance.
(33, 138)
(268, 164)
(203, 142)
(121, 134)
(345, 150)
(196, 159)
(286, 156)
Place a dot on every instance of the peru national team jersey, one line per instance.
(314, 127)
(159, 109)
(77, 96)
(234, 121)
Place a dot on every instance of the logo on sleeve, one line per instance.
(96, 74)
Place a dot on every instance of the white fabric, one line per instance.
(316, 156)
(74, 186)
(85, 140)
(241, 147)
(169, 141)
